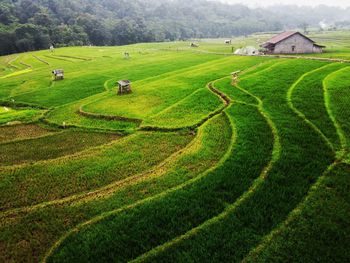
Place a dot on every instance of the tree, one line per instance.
(6, 14)
(7, 43)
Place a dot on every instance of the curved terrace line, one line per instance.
(297, 211)
(231, 208)
(82, 153)
(102, 192)
(340, 132)
(265, 69)
(41, 60)
(292, 216)
(140, 202)
(302, 115)
(117, 184)
(222, 96)
(85, 153)
(204, 225)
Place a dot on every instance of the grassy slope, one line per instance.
(152, 96)
(180, 84)
(89, 170)
(22, 115)
(82, 81)
(337, 87)
(221, 186)
(319, 230)
(17, 80)
(51, 146)
(202, 153)
(186, 112)
(20, 132)
(311, 89)
(232, 237)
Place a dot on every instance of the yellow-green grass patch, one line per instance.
(88, 170)
(205, 151)
(51, 146)
(20, 132)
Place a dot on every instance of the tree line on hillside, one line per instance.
(27, 25)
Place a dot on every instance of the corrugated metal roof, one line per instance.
(285, 35)
(124, 82)
(280, 37)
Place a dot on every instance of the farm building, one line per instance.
(58, 74)
(291, 42)
(124, 87)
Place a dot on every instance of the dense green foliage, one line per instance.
(36, 24)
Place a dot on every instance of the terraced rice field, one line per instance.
(190, 167)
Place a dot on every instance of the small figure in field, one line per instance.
(52, 48)
(126, 55)
(235, 77)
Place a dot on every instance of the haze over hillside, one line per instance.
(36, 24)
(256, 3)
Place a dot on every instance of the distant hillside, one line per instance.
(35, 24)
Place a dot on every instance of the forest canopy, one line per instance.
(27, 25)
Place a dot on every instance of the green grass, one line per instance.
(151, 97)
(18, 115)
(89, 170)
(69, 116)
(205, 151)
(318, 230)
(261, 176)
(187, 201)
(51, 146)
(188, 111)
(20, 132)
(337, 86)
(225, 86)
(79, 84)
(232, 236)
(311, 89)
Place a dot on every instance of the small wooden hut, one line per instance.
(124, 87)
(58, 74)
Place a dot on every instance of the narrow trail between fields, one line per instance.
(300, 114)
(338, 160)
(227, 102)
(247, 194)
(140, 202)
(162, 248)
(109, 189)
(275, 155)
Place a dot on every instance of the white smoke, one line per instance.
(323, 25)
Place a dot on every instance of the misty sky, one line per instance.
(252, 3)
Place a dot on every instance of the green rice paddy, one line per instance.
(189, 167)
